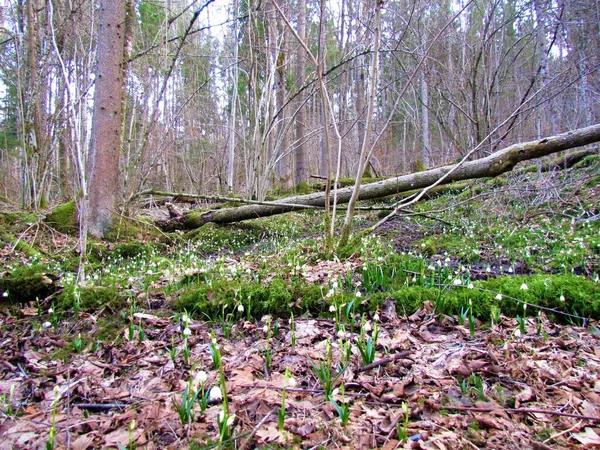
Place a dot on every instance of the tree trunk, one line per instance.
(107, 120)
(301, 155)
(493, 165)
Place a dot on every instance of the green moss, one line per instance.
(233, 237)
(28, 284)
(17, 218)
(125, 229)
(582, 296)
(92, 298)
(64, 218)
(131, 250)
(279, 298)
(303, 188)
(588, 161)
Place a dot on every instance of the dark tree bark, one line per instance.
(107, 122)
(493, 165)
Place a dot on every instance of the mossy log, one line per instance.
(564, 161)
(20, 245)
(493, 165)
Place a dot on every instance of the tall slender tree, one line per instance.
(107, 122)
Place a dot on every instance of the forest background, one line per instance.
(248, 97)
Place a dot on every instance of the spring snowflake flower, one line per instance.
(457, 282)
(46, 324)
(50, 310)
(367, 327)
(291, 382)
(230, 420)
(331, 308)
(562, 298)
(240, 308)
(5, 294)
(200, 378)
(499, 297)
(187, 332)
(524, 287)
(215, 393)
(358, 294)
(376, 317)
(470, 285)
(341, 334)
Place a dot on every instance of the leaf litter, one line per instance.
(489, 391)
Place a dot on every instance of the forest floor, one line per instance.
(471, 325)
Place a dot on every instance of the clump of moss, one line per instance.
(28, 284)
(279, 298)
(17, 218)
(92, 298)
(588, 161)
(64, 218)
(581, 296)
(234, 237)
(125, 229)
(131, 250)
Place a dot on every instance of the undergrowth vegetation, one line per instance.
(469, 248)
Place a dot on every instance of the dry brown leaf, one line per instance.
(589, 438)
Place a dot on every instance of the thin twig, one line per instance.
(254, 430)
(522, 411)
(381, 362)
(101, 406)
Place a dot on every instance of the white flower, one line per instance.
(524, 306)
(266, 329)
(376, 317)
(215, 393)
(185, 318)
(358, 294)
(200, 378)
(457, 282)
(5, 294)
(291, 382)
(46, 324)
(517, 333)
(488, 269)
(510, 270)
(132, 425)
(330, 293)
(240, 308)
(50, 310)
(230, 420)
(341, 334)
(367, 327)
(499, 297)
(562, 298)
(331, 308)
(524, 287)
(470, 285)
(187, 332)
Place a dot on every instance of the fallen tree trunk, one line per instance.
(493, 165)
